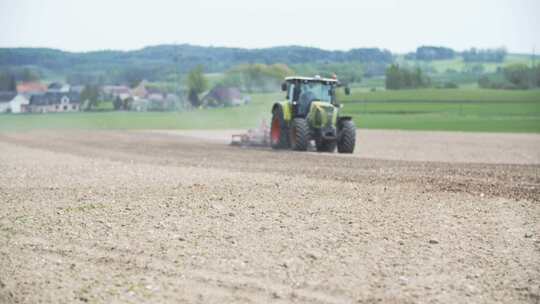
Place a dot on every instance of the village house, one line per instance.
(224, 96)
(31, 88)
(5, 100)
(55, 102)
(115, 91)
(156, 102)
(155, 96)
(140, 90)
(152, 99)
(19, 104)
(12, 102)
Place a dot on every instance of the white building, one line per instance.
(19, 104)
(11, 102)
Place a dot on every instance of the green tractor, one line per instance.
(311, 112)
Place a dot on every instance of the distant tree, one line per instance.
(393, 79)
(474, 68)
(410, 56)
(518, 75)
(512, 77)
(484, 55)
(450, 85)
(196, 84)
(371, 69)
(132, 76)
(401, 78)
(90, 95)
(484, 82)
(278, 71)
(118, 104)
(127, 103)
(537, 75)
(7, 82)
(432, 53)
(29, 75)
(79, 78)
(231, 80)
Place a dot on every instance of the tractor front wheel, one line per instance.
(299, 134)
(279, 138)
(346, 137)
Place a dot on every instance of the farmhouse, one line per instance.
(31, 88)
(5, 100)
(224, 96)
(167, 103)
(115, 91)
(55, 102)
(12, 102)
(140, 90)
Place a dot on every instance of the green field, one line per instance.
(426, 109)
(450, 109)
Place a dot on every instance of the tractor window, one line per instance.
(311, 91)
(290, 93)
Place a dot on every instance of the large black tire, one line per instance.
(279, 133)
(299, 134)
(346, 137)
(325, 145)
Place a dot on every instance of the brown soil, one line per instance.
(143, 217)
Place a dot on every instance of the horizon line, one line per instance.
(256, 48)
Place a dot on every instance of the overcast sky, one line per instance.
(399, 26)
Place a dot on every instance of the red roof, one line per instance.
(31, 87)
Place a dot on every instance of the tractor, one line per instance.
(309, 113)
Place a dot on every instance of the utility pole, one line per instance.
(176, 59)
(534, 57)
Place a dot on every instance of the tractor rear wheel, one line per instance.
(325, 145)
(299, 134)
(346, 137)
(279, 135)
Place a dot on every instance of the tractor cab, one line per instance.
(302, 91)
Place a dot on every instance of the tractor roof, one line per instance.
(316, 78)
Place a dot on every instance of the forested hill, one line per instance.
(215, 59)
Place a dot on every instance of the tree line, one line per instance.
(164, 62)
(484, 55)
(429, 53)
(512, 77)
(398, 78)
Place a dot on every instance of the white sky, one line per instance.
(401, 26)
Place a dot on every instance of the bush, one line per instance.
(512, 77)
(450, 85)
(518, 74)
(400, 78)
